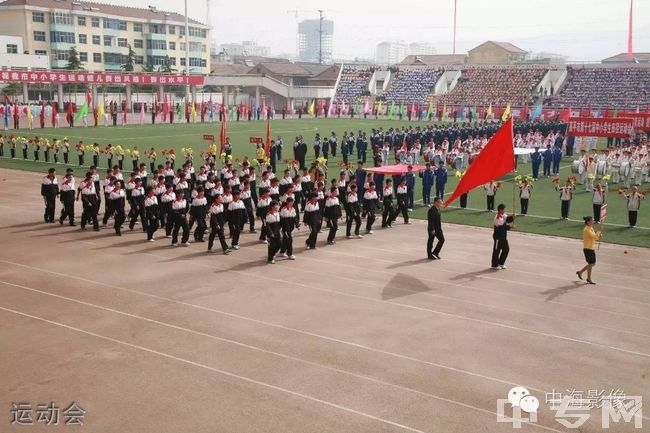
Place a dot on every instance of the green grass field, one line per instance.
(544, 208)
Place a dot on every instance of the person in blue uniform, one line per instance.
(536, 160)
(410, 188)
(441, 180)
(428, 180)
(547, 156)
(557, 157)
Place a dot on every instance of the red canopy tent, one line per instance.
(395, 169)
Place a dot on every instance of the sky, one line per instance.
(583, 30)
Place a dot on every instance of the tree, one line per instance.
(210, 89)
(167, 67)
(129, 65)
(74, 64)
(148, 67)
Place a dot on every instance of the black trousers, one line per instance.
(236, 228)
(275, 243)
(96, 160)
(120, 217)
(65, 157)
(370, 220)
(24, 153)
(524, 205)
(334, 226)
(401, 208)
(356, 218)
(287, 243)
(67, 211)
(201, 228)
(81, 160)
(109, 209)
(441, 240)
(631, 216)
(12, 151)
(313, 235)
(50, 205)
(387, 214)
(490, 202)
(463, 201)
(597, 208)
(137, 211)
(565, 208)
(152, 226)
(180, 222)
(91, 208)
(216, 230)
(36, 155)
(169, 223)
(500, 252)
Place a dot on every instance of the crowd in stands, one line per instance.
(412, 85)
(497, 86)
(353, 83)
(619, 88)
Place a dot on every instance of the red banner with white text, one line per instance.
(641, 120)
(99, 78)
(600, 127)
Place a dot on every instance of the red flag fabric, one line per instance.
(222, 135)
(495, 160)
(165, 110)
(267, 148)
(565, 114)
(53, 114)
(89, 98)
(70, 112)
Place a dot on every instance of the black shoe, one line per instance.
(579, 274)
(590, 282)
(431, 257)
(436, 256)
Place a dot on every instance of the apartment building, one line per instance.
(102, 34)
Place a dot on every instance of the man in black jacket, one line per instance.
(435, 230)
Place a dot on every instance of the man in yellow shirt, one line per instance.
(589, 238)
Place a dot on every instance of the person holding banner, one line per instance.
(589, 238)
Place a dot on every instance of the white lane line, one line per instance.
(255, 348)
(290, 329)
(281, 327)
(448, 284)
(216, 370)
(432, 311)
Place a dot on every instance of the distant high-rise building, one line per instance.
(421, 49)
(315, 39)
(389, 53)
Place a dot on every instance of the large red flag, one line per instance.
(53, 104)
(495, 160)
(267, 148)
(165, 109)
(222, 135)
(70, 113)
